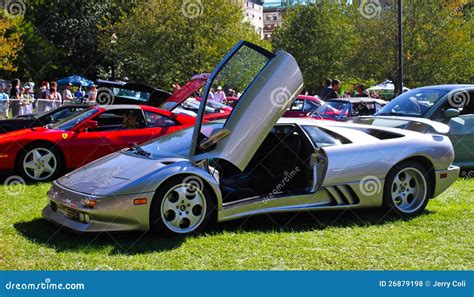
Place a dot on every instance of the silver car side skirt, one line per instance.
(352, 195)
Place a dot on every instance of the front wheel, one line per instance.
(39, 163)
(181, 206)
(406, 189)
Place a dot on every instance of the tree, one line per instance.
(61, 37)
(438, 45)
(163, 42)
(321, 38)
(10, 44)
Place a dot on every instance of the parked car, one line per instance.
(116, 92)
(303, 106)
(186, 100)
(232, 101)
(449, 104)
(41, 153)
(343, 109)
(253, 165)
(38, 120)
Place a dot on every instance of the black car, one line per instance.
(115, 92)
(38, 120)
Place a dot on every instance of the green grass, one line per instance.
(441, 238)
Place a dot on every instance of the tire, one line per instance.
(39, 162)
(407, 189)
(181, 206)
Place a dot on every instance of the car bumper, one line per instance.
(445, 178)
(117, 213)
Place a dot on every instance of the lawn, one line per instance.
(441, 238)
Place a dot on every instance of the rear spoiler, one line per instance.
(408, 123)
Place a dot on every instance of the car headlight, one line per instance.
(89, 202)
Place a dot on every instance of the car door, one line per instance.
(270, 83)
(113, 132)
(461, 134)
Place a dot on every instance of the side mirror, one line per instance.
(451, 113)
(215, 137)
(89, 125)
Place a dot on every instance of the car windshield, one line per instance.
(71, 122)
(176, 144)
(414, 103)
(331, 110)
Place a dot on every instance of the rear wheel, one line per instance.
(183, 205)
(406, 189)
(39, 162)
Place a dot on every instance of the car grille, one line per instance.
(66, 211)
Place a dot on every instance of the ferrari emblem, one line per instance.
(65, 136)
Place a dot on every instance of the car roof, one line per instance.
(357, 100)
(120, 106)
(446, 87)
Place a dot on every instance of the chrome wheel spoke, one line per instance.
(30, 165)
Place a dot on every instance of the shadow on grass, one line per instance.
(129, 243)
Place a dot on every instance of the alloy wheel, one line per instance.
(40, 164)
(183, 208)
(409, 190)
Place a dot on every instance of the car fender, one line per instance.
(152, 181)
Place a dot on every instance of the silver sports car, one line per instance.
(253, 163)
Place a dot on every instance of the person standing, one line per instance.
(219, 96)
(4, 100)
(67, 94)
(80, 93)
(360, 91)
(26, 104)
(15, 97)
(92, 94)
(54, 96)
(326, 89)
(335, 87)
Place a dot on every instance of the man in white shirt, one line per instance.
(67, 95)
(219, 96)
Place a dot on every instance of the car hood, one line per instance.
(192, 86)
(408, 123)
(107, 175)
(26, 133)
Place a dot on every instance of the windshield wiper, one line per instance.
(140, 151)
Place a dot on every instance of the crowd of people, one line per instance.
(332, 89)
(17, 99)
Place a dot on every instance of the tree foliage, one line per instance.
(339, 40)
(162, 42)
(321, 38)
(61, 37)
(10, 44)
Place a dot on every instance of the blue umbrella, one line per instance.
(75, 80)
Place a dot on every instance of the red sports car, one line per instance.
(303, 106)
(40, 154)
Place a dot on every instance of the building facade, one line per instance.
(253, 13)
